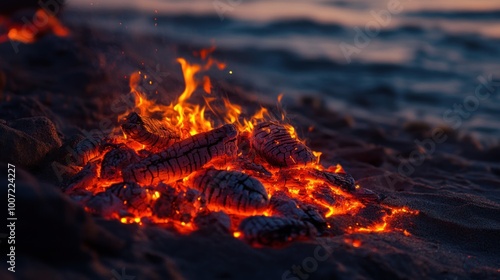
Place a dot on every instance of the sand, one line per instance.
(74, 82)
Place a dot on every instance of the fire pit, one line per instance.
(180, 166)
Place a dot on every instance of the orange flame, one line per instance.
(28, 33)
(189, 118)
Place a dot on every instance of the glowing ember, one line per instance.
(28, 33)
(383, 226)
(353, 242)
(187, 165)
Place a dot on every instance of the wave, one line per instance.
(295, 26)
(458, 15)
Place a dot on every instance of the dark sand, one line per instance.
(74, 81)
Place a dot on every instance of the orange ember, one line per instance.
(353, 242)
(42, 23)
(383, 226)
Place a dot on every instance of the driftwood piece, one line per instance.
(275, 144)
(231, 191)
(184, 157)
(152, 133)
(268, 231)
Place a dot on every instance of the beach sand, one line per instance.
(72, 81)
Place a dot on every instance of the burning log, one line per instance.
(88, 149)
(275, 144)
(85, 179)
(184, 157)
(231, 191)
(115, 160)
(152, 133)
(269, 231)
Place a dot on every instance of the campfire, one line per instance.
(189, 166)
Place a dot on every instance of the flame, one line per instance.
(19, 34)
(191, 117)
(189, 71)
(207, 85)
(182, 116)
(28, 33)
(187, 117)
(247, 125)
(205, 55)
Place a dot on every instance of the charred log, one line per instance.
(115, 160)
(269, 231)
(342, 180)
(87, 150)
(275, 144)
(231, 191)
(152, 133)
(184, 157)
(85, 179)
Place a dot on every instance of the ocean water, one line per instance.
(434, 61)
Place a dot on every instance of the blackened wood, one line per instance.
(152, 133)
(231, 191)
(275, 144)
(184, 157)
